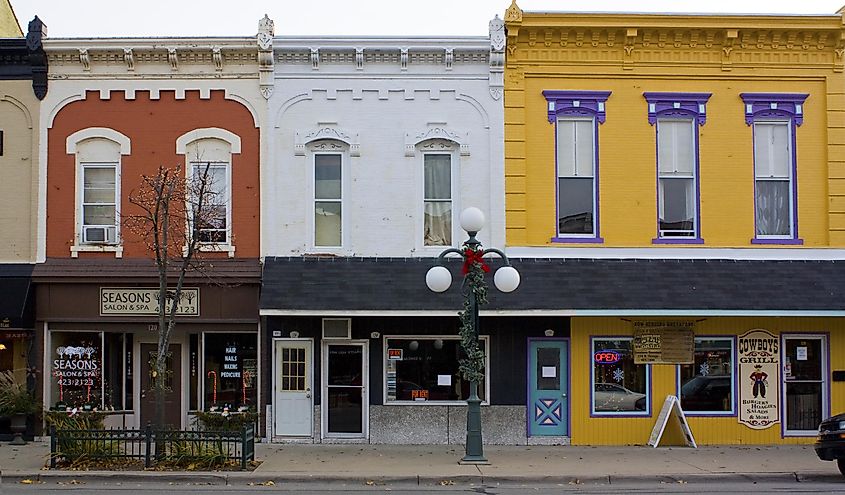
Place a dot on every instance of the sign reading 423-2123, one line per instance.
(144, 301)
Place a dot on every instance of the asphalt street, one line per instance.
(82, 488)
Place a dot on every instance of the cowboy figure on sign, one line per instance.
(759, 378)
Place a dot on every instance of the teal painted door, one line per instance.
(548, 387)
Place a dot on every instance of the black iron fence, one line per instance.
(180, 447)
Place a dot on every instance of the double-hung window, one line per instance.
(774, 118)
(99, 202)
(212, 215)
(437, 199)
(328, 199)
(576, 116)
(677, 117)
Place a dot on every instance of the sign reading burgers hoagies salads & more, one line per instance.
(759, 390)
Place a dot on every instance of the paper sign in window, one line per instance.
(801, 353)
(444, 380)
(549, 372)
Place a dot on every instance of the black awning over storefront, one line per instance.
(398, 284)
(16, 296)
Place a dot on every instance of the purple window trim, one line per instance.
(788, 107)
(648, 397)
(683, 105)
(766, 240)
(826, 373)
(734, 382)
(577, 240)
(577, 103)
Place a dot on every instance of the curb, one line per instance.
(245, 478)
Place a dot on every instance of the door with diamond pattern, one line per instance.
(548, 387)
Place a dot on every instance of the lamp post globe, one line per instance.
(438, 278)
(472, 219)
(506, 279)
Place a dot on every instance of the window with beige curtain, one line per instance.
(437, 205)
(773, 179)
(328, 200)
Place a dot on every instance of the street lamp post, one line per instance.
(506, 279)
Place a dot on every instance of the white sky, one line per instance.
(93, 18)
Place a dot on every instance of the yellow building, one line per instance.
(9, 27)
(682, 179)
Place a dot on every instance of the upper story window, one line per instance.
(208, 160)
(677, 117)
(577, 115)
(437, 192)
(98, 165)
(328, 193)
(774, 118)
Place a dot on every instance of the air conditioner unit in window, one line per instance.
(104, 234)
(337, 328)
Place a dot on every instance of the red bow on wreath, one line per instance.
(471, 257)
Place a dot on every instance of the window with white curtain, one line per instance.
(99, 161)
(328, 199)
(575, 176)
(773, 179)
(676, 178)
(437, 201)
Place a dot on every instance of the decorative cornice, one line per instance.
(329, 131)
(677, 105)
(586, 103)
(436, 130)
(774, 105)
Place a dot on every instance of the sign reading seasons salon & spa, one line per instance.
(759, 390)
(141, 301)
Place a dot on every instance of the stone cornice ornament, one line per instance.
(436, 131)
(266, 63)
(327, 131)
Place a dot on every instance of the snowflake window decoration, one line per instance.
(618, 375)
(704, 369)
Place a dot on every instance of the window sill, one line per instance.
(783, 242)
(577, 240)
(96, 248)
(213, 248)
(705, 414)
(677, 240)
(644, 414)
(429, 403)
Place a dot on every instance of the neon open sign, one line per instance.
(606, 357)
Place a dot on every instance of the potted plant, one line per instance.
(16, 402)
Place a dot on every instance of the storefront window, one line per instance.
(619, 385)
(707, 385)
(14, 349)
(426, 369)
(77, 370)
(231, 370)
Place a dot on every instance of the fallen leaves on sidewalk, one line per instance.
(446, 482)
(262, 483)
(28, 481)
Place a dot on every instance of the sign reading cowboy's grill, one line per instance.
(139, 301)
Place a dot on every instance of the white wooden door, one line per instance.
(293, 403)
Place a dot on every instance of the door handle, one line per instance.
(307, 395)
(563, 395)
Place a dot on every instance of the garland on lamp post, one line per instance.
(475, 295)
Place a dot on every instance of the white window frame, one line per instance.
(438, 147)
(790, 177)
(341, 149)
(483, 339)
(594, 190)
(648, 395)
(734, 391)
(234, 141)
(695, 233)
(72, 148)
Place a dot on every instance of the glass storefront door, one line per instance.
(344, 399)
(804, 382)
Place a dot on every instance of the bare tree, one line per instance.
(174, 216)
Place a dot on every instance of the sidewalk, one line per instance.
(437, 464)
